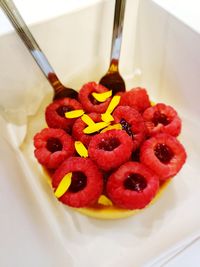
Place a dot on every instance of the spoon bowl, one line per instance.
(112, 79)
(60, 91)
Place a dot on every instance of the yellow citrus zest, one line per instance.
(74, 113)
(81, 149)
(116, 126)
(103, 200)
(113, 103)
(107, 117)
(85, 118)
(63, 185)
(102, 97)
(95, 127)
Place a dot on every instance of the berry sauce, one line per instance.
(109, 144)
(93, 100)
(126, 127)
(54, 144)
(62, 110)
(159, 117)
(135, 182)
(79, 181)
(163, 153)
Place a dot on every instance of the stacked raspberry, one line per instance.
(127, 140)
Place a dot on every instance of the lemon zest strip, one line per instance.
(63, 185)
(81, 149)
(107, 117)
(113, 104)
(116, 126)
(103, 200)
(74, 113)
(102, 97)
(95, 127)
(85, 118)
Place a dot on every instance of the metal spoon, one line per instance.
(20, 26)
(112, 78)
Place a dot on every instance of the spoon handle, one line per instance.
(117, 31)
(28, 39)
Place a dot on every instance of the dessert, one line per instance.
(55, 113)
(163, 154)
(80, 125)
(86, 182)
(162, 118)
(110, 149)
(89, 103)
(132, 186)
(109, 156)
(136, 98)
(132, 122)
(53, 146)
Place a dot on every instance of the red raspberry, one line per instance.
(80, 125)
(86, 185)
(162, 119)
(132, 122)
(136, 155)
(89, 103)
(132, 186)
(136, 98)
(55, 113)
(110, 149)
(163, 154)
(53, 146)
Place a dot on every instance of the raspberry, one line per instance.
(164, 155)
(79, 126)
(162, 119)
(55, 113)
(89, 103)
(136, 98)
(136, 155)
(132, 186)
(86, 185)
(110, 149)
(53, 146)
(132, 122)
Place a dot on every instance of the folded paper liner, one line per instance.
(133, 241)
